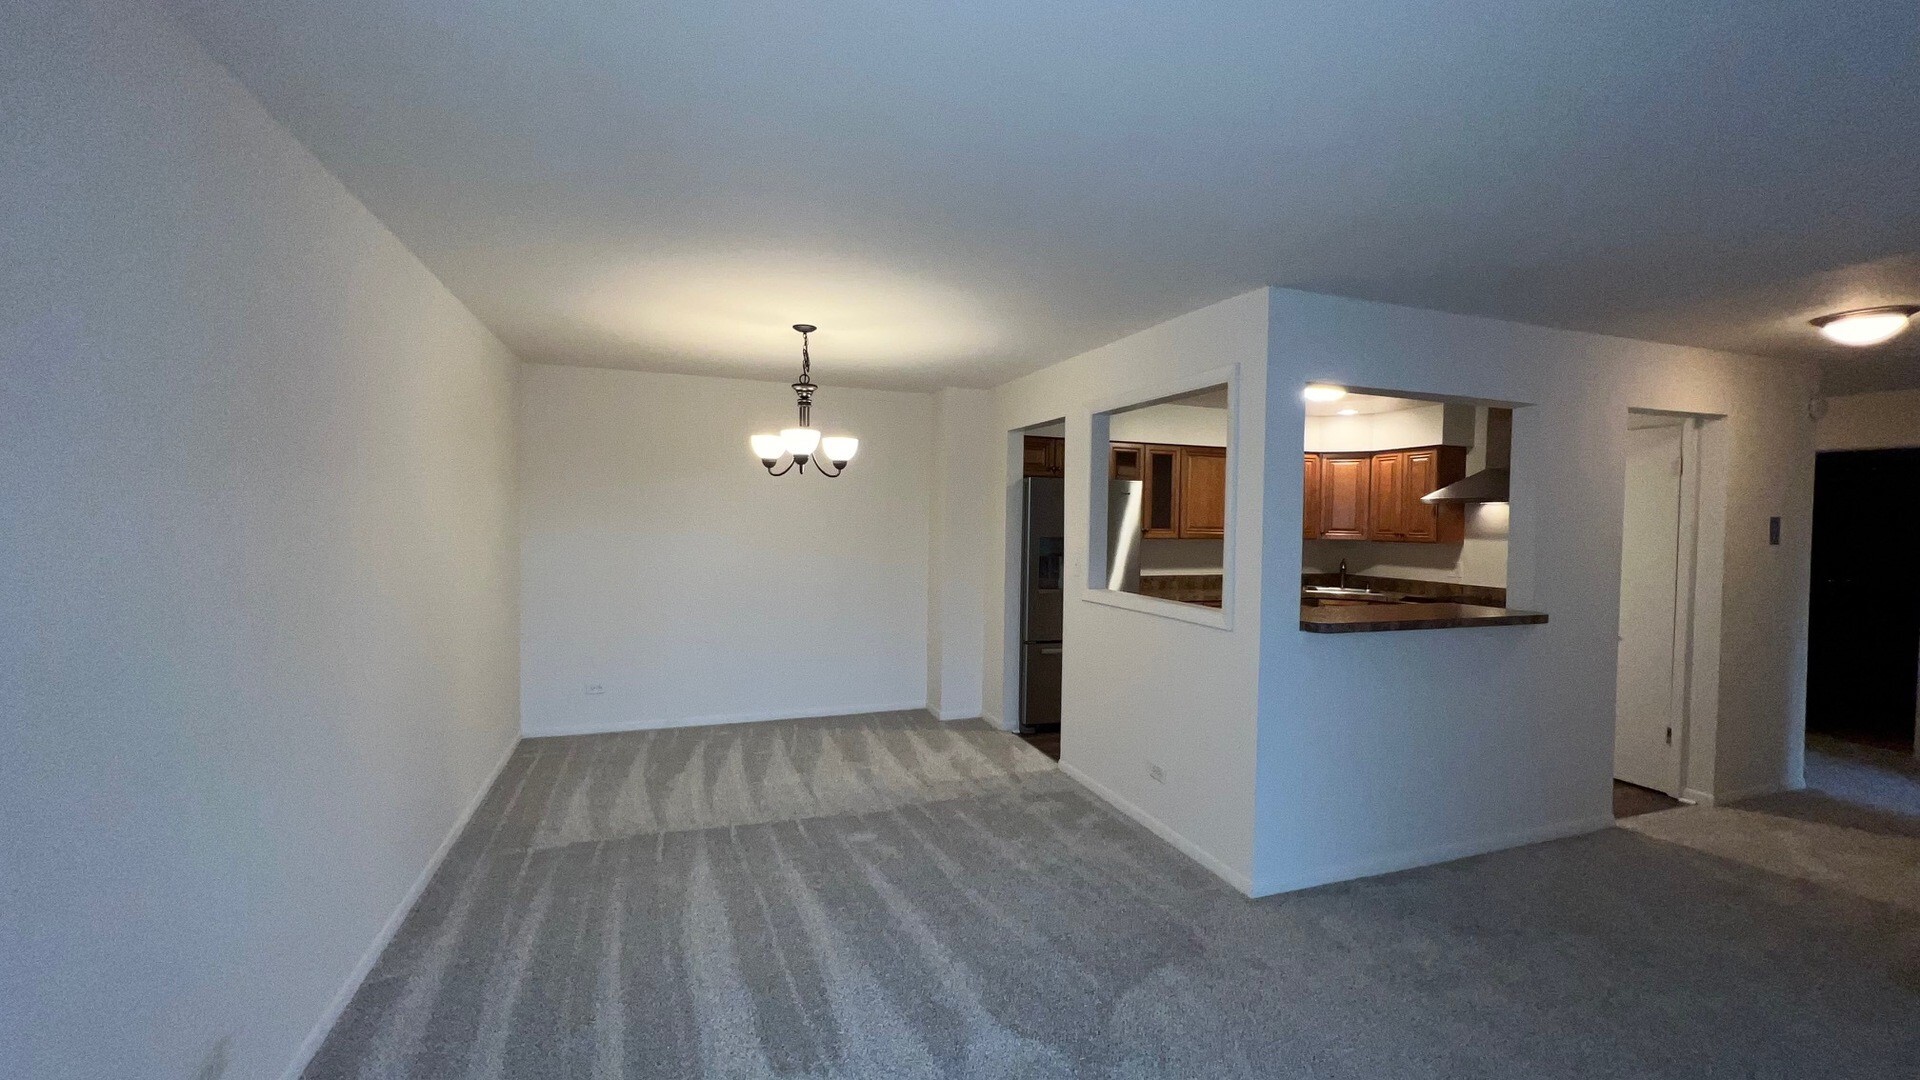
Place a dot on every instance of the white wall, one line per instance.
(257, 615)
(1163, 555)
(959, 557)
(661, 563)
(1870, 421)
(1379, 751)
(1178, 425)
(1479, 559)
(1141, 688)
(1438, 424)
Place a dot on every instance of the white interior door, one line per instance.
(1647, 731)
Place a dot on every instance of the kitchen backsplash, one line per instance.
(1187, 588)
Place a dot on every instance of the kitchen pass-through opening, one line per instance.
(1163, 512)
(1405, 499)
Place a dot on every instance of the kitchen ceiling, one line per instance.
(1362, 404)
(960, 193)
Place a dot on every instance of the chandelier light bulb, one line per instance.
(767, 447)
(839, 448)
(1868, 326)
(800, 441)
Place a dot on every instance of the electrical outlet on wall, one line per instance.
(1156, 773)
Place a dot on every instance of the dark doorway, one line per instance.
(1863, 645)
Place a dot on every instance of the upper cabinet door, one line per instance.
(1203, 492)
(1310, 512)
(1125, 462)
(1418, 521)
(1044, 456)
(1162, 494)
(1388, 520)
(1429, 470)
(1345, 485)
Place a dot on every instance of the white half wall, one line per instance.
(662, 565)
(1142, 689)
(257, 571)
(1382, 751)
(1870, 421)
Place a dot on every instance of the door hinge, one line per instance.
(1669, 736)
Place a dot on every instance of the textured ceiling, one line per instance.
(959, 193)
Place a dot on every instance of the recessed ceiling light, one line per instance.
(1349, 412)
(1323, 392)
(1867, 326)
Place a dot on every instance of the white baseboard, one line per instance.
(1161, 829)
(1438, 853)
(653, 724)
(311, 1044)
(1696, 797)
(948, 715)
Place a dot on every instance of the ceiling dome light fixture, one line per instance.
(800, 444)
(1867, 326)
(1323, 392)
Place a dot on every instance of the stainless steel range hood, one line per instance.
(1492, 483)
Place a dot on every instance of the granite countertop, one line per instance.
(1374, 618)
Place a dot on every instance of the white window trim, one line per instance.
(1092, 588)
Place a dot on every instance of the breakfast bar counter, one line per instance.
(1375, 618)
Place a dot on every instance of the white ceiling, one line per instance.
(959, 193)
(1361, 404)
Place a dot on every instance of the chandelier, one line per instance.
(800, 445)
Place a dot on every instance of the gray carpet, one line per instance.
(884, 896)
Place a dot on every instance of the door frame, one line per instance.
(1700, 579)
(1012, 655)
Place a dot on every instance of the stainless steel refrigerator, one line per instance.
(1123, 535)
(1043, 549)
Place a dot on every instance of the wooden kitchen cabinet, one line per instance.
(1387, 497)
(1376, 496)
(1161, 498)
(1430, 469)
(1310, 504)
(1044, 455)
(1400, 478)
(1183, 488)
(1203, 492)
(1346, 482)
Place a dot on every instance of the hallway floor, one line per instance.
(885, 896)
(1631, 800)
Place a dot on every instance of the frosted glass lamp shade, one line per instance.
(767, 447)
(1867, 327)
(800, 441)
(839, 448)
